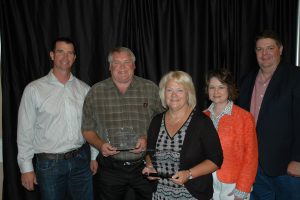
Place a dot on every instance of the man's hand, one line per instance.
(141, 145)
(28, 180)
(294, 169)
(94, 166)
(108, 150)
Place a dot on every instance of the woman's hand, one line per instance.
(147, 170)
(236, 197)
(181, 177)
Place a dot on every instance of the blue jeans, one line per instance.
(65, 179)
(275, 188)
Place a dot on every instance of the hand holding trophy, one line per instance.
(159, 165)
(122, 139)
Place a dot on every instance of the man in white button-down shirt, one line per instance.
(49, 129)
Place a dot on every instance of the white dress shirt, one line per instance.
(49, 119)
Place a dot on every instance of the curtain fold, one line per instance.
(194, 36)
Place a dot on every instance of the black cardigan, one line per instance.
(201, 142)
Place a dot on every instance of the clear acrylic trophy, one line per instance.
(123, 139)
(165, 163)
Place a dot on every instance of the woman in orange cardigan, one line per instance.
(236, 129)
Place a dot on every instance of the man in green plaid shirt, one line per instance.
(123, 101)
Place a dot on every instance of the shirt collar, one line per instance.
(227, 110)
(260, 77)
(133, 83)
(52, 77)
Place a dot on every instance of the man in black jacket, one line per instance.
(272, 94)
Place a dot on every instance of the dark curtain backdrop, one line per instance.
(190, 35)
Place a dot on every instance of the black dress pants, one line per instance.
(119, 182)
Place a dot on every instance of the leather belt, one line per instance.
(59, 156)
(129, 162)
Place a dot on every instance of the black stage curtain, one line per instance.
(190, 35)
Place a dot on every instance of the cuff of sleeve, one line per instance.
(26, 167)
(94, 153)
(240, 194)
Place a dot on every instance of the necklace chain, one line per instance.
(173, 120)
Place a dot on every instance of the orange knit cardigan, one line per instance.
(240, 151)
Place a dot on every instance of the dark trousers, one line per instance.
(114, 183)
(283, 187)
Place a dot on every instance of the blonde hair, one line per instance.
(182, 78)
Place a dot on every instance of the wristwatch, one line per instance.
(190, 175)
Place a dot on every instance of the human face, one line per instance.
(176, 96)
(63, 56)
(217, 91)
(122, 67)
(268, 53)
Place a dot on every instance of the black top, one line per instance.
(201, 143)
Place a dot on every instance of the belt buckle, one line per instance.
(68, 155)
(71, 154)
(127, 163)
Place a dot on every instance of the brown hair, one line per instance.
(225, 77)
(269, 34)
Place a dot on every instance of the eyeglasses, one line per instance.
(63, 53)
(268, 49)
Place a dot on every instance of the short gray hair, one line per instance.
(119, 50)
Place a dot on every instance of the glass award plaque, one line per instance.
(123, 139)
(165, 163)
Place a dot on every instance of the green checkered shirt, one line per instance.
(105, 108)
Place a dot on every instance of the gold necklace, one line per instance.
(174, 121)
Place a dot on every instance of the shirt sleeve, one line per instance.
(159, 108)
(94, 152)
(250, 158)
(25, 130)
(88, 121)
(296, 117)
(212, 143)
